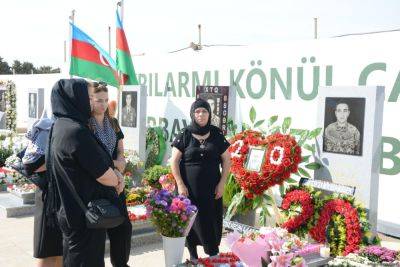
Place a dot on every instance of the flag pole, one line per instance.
(72, 20)
(121, 5)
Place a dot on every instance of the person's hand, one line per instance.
(219, 190)
(121, 182)
(120, 165)
(120, 187)
(182, 190)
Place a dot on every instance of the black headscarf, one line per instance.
(194, 128)
(69, 99)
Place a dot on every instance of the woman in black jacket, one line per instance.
(75, 157)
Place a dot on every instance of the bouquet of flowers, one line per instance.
(137, 213)
(221, 260)
(172, 215)
(167, 182)
(137, 196)
(133, 162)
(380, 254)
(274, 245)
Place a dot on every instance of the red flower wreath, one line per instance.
(353, 229)
(303, 198)
(282, 157)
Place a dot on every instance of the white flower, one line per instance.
(277, 161)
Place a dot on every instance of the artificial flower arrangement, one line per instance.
(167, 182)
(298, 208)
(155, 146)
(336, 219)
(137, 195)
(273, 246)
(369, 256)
(133, 164)
(137, 213)
(11, 102)
(284, 157)
(221, 260)
(171, 214)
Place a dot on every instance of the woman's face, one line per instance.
(201, 116)
(99, 103)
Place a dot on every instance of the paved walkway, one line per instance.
(16, 236)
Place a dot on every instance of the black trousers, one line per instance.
(82, 247)
(120, 239)
(47, 240)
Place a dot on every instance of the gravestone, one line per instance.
(222, 101)
(350, 146)
(132, 118)
(35, 104)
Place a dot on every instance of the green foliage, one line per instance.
(155, 146)
(151, 175)
(4, 154)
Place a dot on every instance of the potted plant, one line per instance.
(173, 216)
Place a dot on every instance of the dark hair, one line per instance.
(101, 87)
(342, 101)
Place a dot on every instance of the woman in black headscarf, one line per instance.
(74, 156)
(197, 154)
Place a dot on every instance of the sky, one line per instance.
(35, 30)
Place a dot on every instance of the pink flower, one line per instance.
(281, 260)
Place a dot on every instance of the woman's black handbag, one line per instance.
(99, 213)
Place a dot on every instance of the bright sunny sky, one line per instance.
(35, 30)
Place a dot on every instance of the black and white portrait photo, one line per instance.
(32, 105)
(215, 101)
(129, 109)
(344, 125)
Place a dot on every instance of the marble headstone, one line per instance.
(132, 118)
(350, 146)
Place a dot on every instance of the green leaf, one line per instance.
(286, 124)
(304, 173)
(245, 126)
(282, 190)
(252, 114)
(296, 131)
(257, 202)
(267, 198)
(310, 148)
(303, 138)
(306, 158)
(272, 120)
(291, 181)
(313, 166)
(314, 133)
(275, 129)
(236, 200)
(258, 123)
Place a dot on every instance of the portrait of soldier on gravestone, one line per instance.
(129, 109)
(32, 105)
(344, 125)
(215, 103)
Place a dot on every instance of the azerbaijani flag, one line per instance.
(89, 60)
(124, 59)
